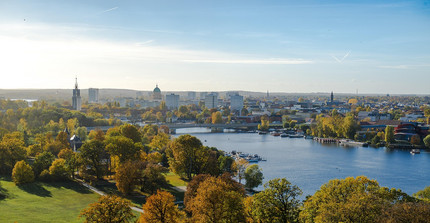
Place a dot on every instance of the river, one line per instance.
(309, 164)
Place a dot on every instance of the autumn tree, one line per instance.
(412, 212)
(160, 141)
(240, 165)
(58, 170)
(278, 202)
(415, 140)
(63, 139)
(131, 132)
(216, 201)
(216, 118)
(152, 178)
(127, 176)
(22, 173)
(253, 176)
(160, 208)
(389, 134)
(11, 150)
(350, 200)
(264, 126)
(97, 134)
(110, 209)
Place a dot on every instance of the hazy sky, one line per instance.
(280, 46)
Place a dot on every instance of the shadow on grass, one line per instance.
(71, 185)
(35, 188)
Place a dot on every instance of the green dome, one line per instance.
(156, 89)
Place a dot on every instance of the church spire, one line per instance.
(76, 82)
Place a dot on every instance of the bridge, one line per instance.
(215, 127)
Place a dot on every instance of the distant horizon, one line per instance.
(223, 91)
(377, 47)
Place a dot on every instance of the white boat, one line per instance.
(415, 151)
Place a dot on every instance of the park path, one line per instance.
(103, 194)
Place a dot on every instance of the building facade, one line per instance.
(93, 95)
(172, 101)
(76, 98)
(236, 102)
(156, 94)
(211, 101)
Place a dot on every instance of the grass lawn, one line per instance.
(44, 202)
(175, 180)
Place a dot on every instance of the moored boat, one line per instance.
(415, 151)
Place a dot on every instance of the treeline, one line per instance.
(335, 125)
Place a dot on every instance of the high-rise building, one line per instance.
(331, 97)
(172, 101)
(211, 101)
(203, 95)
(236, 102)
(93, 95)
(76, 99)
(191, 95)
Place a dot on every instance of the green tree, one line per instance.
(11, 150)
(131, 132)
(81, 132)
(42, 162)
(184, 153)
(426, 141)
(253, 176)
(22, 173)
(389, 134)
(122, 147)
(110, 209)
(423, 194)
(92, 154)
(278, 202)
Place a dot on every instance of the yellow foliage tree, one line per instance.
(216, 118)
(160, 208)
(109, 208)
(22, 173)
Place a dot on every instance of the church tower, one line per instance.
(76, 99)
(331, 97)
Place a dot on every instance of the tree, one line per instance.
(22, 173)
(423, 194)
(389, 134)
(97, 134)
(160, 141)
(226, 164)
(253, 176)
(42, 162)
(110, 209)
(415, 140)
(63, 139)
(58, 170)
(240, 165)
(350, 200)
(184, 153)
(152, 178)
(122, 147)
(92, 154)
(216, 201)
(216, 118)
(160, 208)
(127, 176)
(278, 202)
(427, 141)
(11, 150)
(131, 132)
(264, 126)
(406, 212)
(81, 132)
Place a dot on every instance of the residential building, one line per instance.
(172, 101)
(93, 95)
(211, 101)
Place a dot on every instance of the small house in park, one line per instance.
(75, 143)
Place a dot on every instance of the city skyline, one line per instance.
(281, 46)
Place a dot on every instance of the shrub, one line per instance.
(22, 173)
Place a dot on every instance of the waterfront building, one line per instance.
(93, 95)
(76, 98)
(172, 101)
(236, 102)
(211, 101)
(156, 94)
